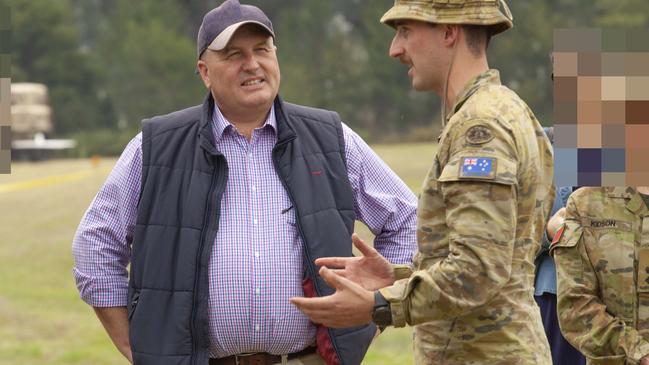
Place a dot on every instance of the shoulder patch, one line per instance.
(483, 167)
(479, 134)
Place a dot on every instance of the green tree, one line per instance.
(46, 49)
(149, 61)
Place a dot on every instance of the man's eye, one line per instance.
(233, 55)
(262, 49)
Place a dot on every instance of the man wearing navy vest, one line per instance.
(221, 209)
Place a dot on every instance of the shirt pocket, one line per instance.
(288, 216)
(612, 255)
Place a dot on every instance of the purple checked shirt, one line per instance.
(256, 263)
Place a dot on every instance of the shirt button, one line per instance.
(254, 188)
(256, 254)
(254, 221)
(257, 291)
(250, 156)
(257, 328)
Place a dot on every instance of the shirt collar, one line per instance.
(220, 124)
(489, 77)
(634, 201)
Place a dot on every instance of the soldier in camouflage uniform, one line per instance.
(602, 259)
(482, 210)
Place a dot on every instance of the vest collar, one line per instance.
(285, 132)
(205, 135)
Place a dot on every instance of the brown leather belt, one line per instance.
(259, 358)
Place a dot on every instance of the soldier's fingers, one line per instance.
(340, 272)
(562, 212)
(365, 249)
(310, 305)
(334, 280)
(333, 262)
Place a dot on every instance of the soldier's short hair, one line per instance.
(477, 38)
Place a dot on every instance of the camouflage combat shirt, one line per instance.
(481, 215)
(602, 259)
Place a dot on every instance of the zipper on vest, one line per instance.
(136, 298)
(217, 180)
(298, 224)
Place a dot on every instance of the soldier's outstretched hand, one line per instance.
(371, 270)
(350, 305)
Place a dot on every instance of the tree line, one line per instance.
(110, 63)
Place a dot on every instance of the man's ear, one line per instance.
(451, 34)
(201, 66)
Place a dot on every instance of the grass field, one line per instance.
(42, 319)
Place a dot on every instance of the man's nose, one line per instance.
(250, 62)
(396, 48)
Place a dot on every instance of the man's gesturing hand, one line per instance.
(350, 305)
(371, 271)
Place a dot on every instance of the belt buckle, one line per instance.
(284, 358)
(237, 356)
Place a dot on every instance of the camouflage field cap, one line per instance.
(494, 14)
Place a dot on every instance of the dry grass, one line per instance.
(42, 320)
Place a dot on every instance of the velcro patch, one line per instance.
(483, 167)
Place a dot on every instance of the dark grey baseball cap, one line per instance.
(222, 22)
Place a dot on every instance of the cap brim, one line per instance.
(222, 40)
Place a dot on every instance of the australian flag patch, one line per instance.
(478, 167)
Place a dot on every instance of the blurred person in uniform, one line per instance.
(545, 282)
(482, 210)
(602, 258)
(220, 210)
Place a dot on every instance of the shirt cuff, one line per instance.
(402, 271)
(398, 304)
(104, 291)
(640, 350)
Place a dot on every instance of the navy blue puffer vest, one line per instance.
(183, 179)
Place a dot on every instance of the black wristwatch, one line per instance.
(381, 314)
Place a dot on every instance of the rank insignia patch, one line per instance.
(478, 167)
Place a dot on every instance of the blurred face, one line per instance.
(243, 77)
(419, 45)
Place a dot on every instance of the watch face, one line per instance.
(382, 316)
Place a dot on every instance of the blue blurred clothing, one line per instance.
(562, 352)
(546, 274)
(545, 289)
(545, 294)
